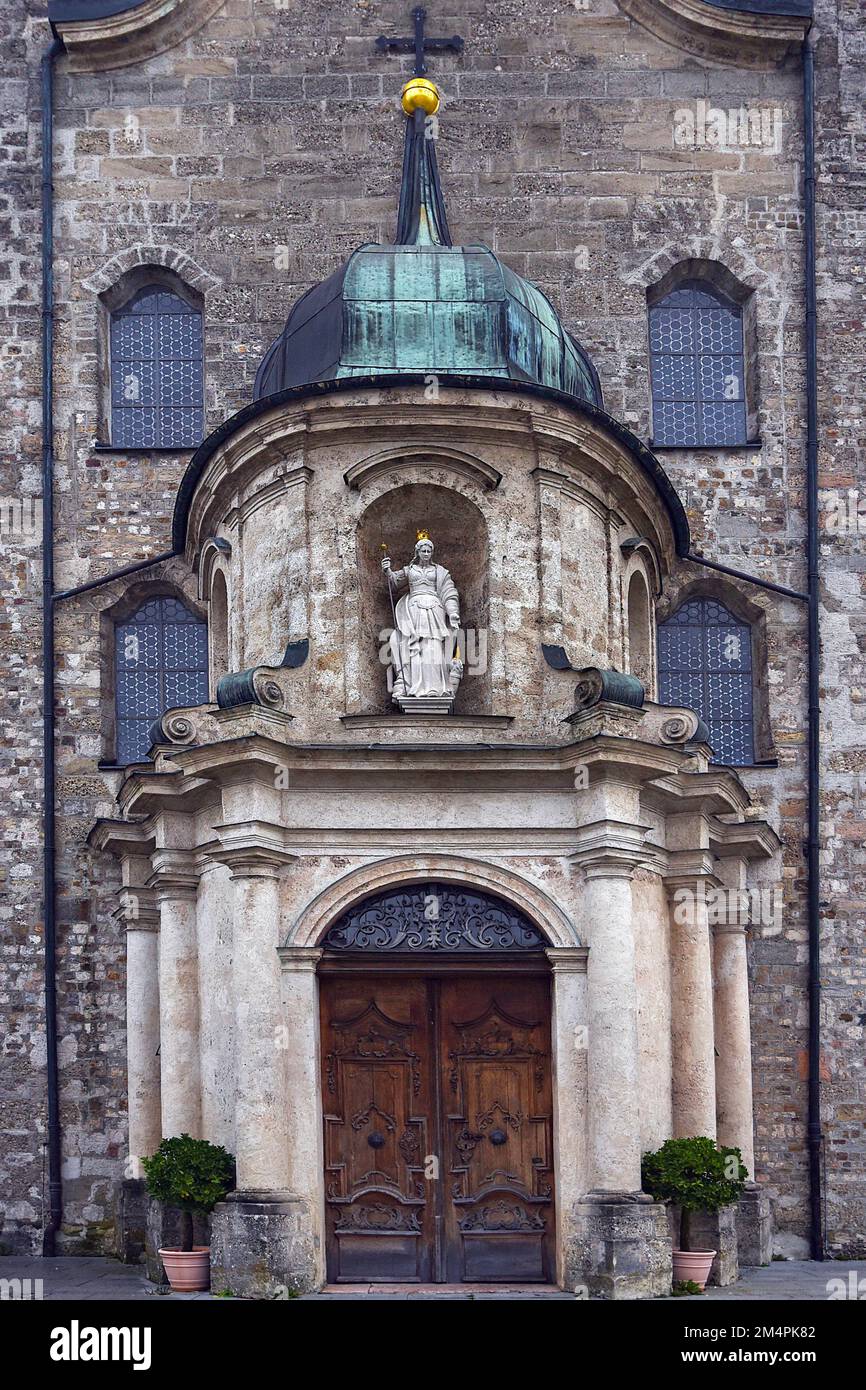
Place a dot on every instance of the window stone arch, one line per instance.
(702, 337)
(156, 650)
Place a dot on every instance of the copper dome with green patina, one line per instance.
(423, 305)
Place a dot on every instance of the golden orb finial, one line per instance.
(420, 92)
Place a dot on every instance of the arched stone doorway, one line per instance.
(437, 1090)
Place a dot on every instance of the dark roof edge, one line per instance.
(800, 9)
(80, 11)
(644, 456)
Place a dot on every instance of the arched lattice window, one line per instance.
(697, 366)
(705, 662)
(156, 372)
(161, 661)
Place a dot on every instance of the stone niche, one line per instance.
(459, 533)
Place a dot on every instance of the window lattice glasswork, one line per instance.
(156, 372)
(160, 663)
(697, 366)
(705, 662)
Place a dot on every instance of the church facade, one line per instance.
(431, 619)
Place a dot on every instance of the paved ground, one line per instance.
(100, 1280)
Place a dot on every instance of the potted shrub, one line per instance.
(694, 1175)
(191, 1175)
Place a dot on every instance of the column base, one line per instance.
(163, 1231)
(717, 1230)
(263, 1245)
(754, 1217)
(619, 1247)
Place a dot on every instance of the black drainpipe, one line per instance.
(55, 1186)
(815, 1137)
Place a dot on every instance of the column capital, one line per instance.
(299, 959)
(568, 960)
(252, 849)
(174, 874)
(690, 868)
(610, 848)
(138, 909)
(607, 861)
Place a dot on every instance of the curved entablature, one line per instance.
(116, 33)
(262, 430)
(753, 33)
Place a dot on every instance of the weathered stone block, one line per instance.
(263, 1245)
(754, 1218)
(717, 1230)
(619, 1249)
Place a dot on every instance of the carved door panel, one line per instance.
(494, 1057)
(376, 1062)
(438, 1128)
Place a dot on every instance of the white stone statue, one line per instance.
(426, 667)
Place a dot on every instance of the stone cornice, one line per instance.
(120, 837)
(746, 839)
(717, 791)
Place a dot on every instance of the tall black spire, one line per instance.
(421, 218)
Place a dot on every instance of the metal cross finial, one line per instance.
(419, 43)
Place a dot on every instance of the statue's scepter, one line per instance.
(395, 629)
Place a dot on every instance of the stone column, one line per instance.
(140, 912)
(264, 1236)
(569, 1036)
(620, 1247)
(300, 991)
(733, 1041)
(692, 1031)
(614, 1112)
(175, 883)
(261, 1087)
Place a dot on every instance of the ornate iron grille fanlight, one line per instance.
(161, 661)
(705, 662)
(434, 917)
(697, 367)
(156, 372)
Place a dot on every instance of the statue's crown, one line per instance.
(422, 536)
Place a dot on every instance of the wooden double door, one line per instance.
(438, 1128)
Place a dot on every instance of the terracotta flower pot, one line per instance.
(188, 1270)
(694, 1265)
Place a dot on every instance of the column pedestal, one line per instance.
(263, 1245)
(622, 1246)
(754, 1216)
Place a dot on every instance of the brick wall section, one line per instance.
(264, 149)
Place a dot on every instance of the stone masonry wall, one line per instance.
(253, 157)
